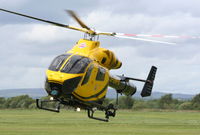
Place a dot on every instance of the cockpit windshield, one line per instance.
(76, 64)
(58, 61)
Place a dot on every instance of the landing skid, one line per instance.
(40, 105)
(110, 110)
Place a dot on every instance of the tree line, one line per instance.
(165, 102)
(23, 101)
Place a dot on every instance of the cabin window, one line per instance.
(76, 64)
(103, 60)
(101, 74)
(58, 61)
(87, 75)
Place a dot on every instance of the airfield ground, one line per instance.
(39, 122)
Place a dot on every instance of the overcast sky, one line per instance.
(27, 46)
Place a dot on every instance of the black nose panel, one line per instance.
(70, 85)
(53, 89)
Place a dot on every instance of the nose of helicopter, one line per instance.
(61, 84)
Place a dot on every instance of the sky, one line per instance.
(27, 46)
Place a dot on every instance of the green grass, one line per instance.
(39, 122)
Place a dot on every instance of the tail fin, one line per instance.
(147, 89)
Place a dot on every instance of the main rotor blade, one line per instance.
(143, 39)
(130, 36)
(42, 20)
(161, 36)
(73, 15)
(86, 29)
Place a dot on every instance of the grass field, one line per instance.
(39, 122)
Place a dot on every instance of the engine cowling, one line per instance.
(106, 58)
(91, 49)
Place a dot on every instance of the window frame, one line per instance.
(55, 66)
(101, 74)
(73, 67)
(88, 74)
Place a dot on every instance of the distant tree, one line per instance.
(186, 106)
(22, 101)
(32, 106)
(2, 102)
(152, 104)
(7, 103)
(26, 102)
(146, 104)
(196, 102)
(139, 104)
(126, 102)
(165, 101)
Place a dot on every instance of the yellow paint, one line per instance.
(93, 90)
(93, 87)
(92, 50)
(57, 76)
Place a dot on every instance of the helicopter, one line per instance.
(80, 77)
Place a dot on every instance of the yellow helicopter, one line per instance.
(80, 78)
